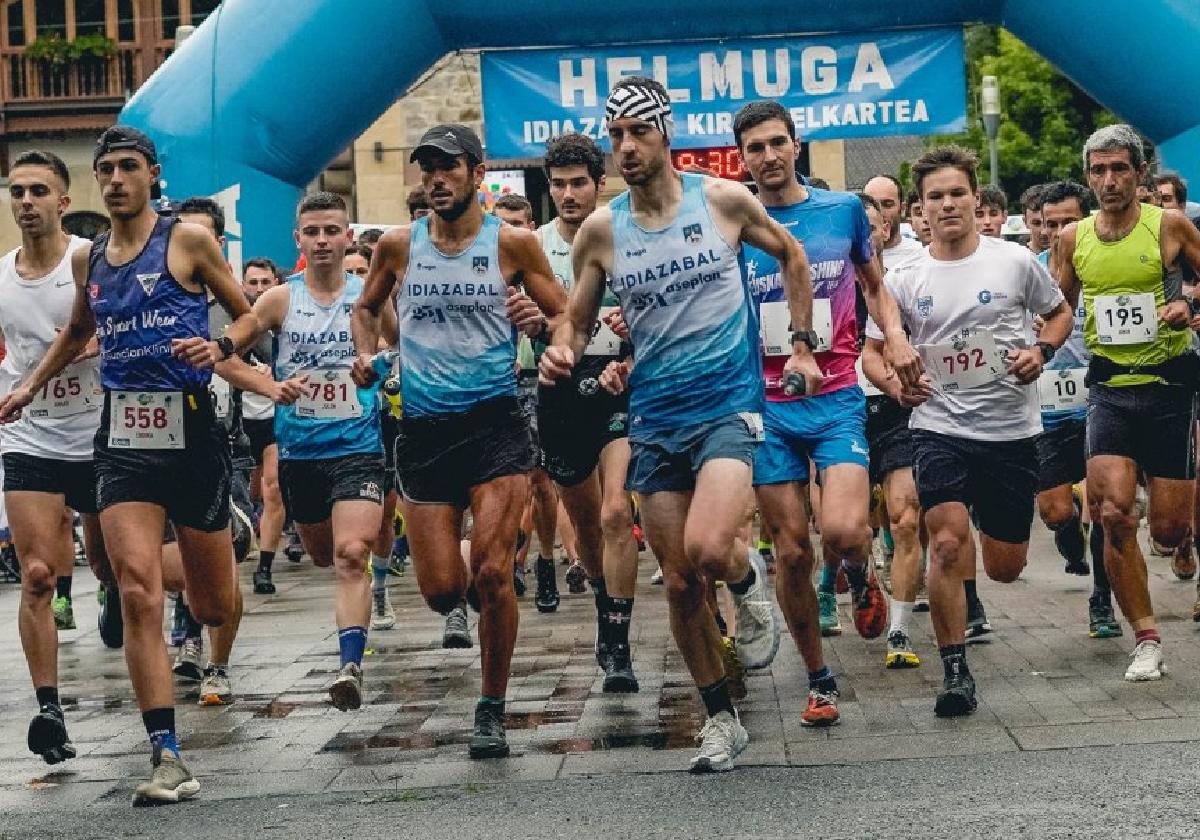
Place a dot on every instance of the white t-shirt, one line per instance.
(990, 296)
(901, 251)
(62, 420)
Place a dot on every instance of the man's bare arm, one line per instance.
(388, 265)
(571, 334)
(1062, 265)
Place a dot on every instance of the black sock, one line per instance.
(742, 586)
(721, 625)
(193, 626)
(62, 587)
(1068, 539)
(160, 726)
(47, 695)
(856, 576)
(616, 620)
(969, 588)
(1101, 590)
(716, 698)
(954, 659)
(265, 559)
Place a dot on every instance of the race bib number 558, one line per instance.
(145, 420)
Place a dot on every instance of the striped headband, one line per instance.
(642, 103)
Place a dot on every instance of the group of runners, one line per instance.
(704, 349)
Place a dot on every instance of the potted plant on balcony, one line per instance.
(91, 56)
(87, 56)
(50, 52)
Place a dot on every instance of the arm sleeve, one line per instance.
(860, 242)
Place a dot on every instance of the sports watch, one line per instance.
(1048, 351)
(226, 346)
(809, 337)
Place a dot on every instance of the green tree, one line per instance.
(1044, 119)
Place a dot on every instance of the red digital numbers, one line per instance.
(327, 392)
(965, 362)
(143, 417)
(59, 389)
(723, 162)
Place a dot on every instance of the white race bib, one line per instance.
(867, 386)
(1125, 319)
(964, 363)
(1062, 389)
(74, 391)
(145, 420)
(776, 327)
(221, 396)
(328, 395)
(604, 341)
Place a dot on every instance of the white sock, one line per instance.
(901, 612)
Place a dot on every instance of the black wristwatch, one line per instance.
(1048, 351)
(226, 346)
(809, 337)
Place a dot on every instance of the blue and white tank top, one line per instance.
(314, 341)
(691, 317)
(139, 309)
(456, 342)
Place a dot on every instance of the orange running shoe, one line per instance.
(822, 709)
(870, 609)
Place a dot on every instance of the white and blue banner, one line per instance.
(836, 87)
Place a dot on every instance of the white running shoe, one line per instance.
(721, 741)
(383, 617)
(757, 626)
(1147, 662)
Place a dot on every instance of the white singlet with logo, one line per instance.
(62, 419)
(996, 290)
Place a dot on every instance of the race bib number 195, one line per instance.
(1125, 319)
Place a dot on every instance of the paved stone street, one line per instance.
(1043, 686)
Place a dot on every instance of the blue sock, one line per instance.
(828, 581)
(379, 571)
(352, 641)
(821, 679)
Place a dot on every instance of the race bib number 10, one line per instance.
(1062, 389)
(74, 391)
(328, 395)
(777, 326)
(1125, 319)
(964, 363)
(145, 420)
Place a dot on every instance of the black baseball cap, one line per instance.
(121, 137)
(450, 139)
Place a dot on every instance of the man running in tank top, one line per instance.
(672, 248)
(1142, 375)
(160, 453)
(328, 432)
(464, 442)
(47, 452)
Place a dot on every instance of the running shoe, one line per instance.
(397, 564)
(900, 653)
(171, 781)
(735, 672)
(64, 614)
(457, 634)
(214, 688)
(1158, 549)
(1147, 662)
(576, 578)
(831, 625)
(977, 620)
(639, 536)
(922, 602)
(519, 585)
(757, 626)
(822, 708)
(547, 598)
(656, 579)
(294, 549)
(383, 617)
(48, 735)
(187, 663)
(1102, 622)
(957, 697)
(242, 530)
(10, 565)
(870, 608)
(722, 739)
(1183, 561)
(618, 671)
(263, 585)
(346, 691)
(109, 621)
(488, 740)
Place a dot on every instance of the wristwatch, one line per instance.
(809, 337)
(226, 346)
(1048, 351)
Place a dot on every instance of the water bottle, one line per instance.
(381, 364)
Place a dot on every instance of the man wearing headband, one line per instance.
(670, 248)
(160, 453)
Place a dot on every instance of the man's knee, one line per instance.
(351, 556)
(904, 521)
(1054, 509)
(944, 549)
(844, 538)
(1119, 521)
(37, 578)
(709, 553)
(616, 520)
(141, 602)
(1169, 533)
(682, 586)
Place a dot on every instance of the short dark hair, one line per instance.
(757, 113)
(202, 205)
(914, 197)
(514, 201)
(263, 262)
(1175, 181)
(868, 202)
(362, 250)
(949, 156)
(990, 196)
(417, 199)
(819, 183)
(1031, 199)
(320, 200)
(1057, 191)
(575, 149)
(369, 236)
(37, 157)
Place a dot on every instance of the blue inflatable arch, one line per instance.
(266, 92)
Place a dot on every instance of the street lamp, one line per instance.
(989, 108)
